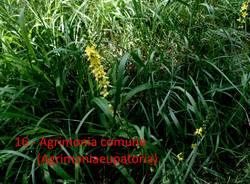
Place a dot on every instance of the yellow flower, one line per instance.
(198, 131)
(91, 52)
(111, 109)
(244, 6)
(180, 156)
(104, 93)
(193, 145)
(244, 14)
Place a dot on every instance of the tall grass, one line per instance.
(174, 67)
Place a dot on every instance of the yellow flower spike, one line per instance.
(97, 70)
(243, 13)
(180, 156)
(198, 131)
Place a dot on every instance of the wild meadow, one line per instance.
(175, 73)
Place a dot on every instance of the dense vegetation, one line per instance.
(175, 73)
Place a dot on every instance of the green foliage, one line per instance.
(174, 67)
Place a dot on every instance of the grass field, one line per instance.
(174, 73)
